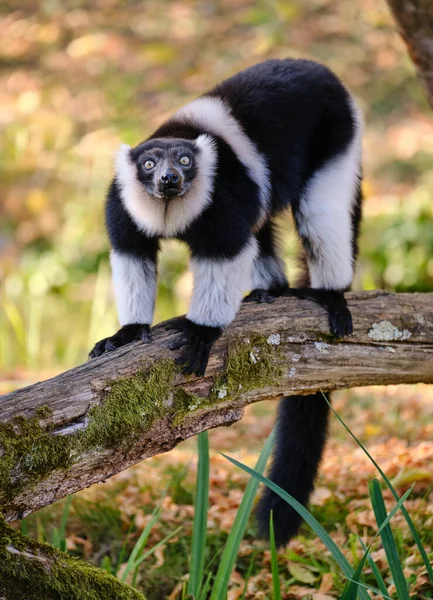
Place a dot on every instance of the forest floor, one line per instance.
(105, 517)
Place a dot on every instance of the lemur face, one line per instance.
(166, 167)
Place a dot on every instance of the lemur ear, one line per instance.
(122, 161)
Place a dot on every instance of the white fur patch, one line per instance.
(151, 214)
(267, 272)
(215, 116)
(219, 286)
(134, 283)
(326, 215)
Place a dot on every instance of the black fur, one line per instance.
(197, 341)
(298, 114)
(300, 439)
(299, 117)
(224, 228)
(135, 332)
(123, 232)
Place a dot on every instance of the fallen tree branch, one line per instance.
(414, 20)
(85, 425)
(29, 569)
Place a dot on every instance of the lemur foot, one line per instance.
(126, 334)
(339, 315)
(266, 296)
(260, 296)
(197, 341)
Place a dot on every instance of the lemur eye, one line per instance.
(149, 164)
(184, 160)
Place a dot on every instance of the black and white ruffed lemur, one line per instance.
(215, 175)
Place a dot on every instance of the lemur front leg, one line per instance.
(134, 282)
(218, 288)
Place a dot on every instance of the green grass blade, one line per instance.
(371, 588)
(141, 542)
(151, 551)
(122, 552)
(198, 545)
(204, 592)
(387, 539)
(249, 573)
(375, 569)
(351, 588)
(106, 565)
(406, 515)
(55, 538)
(274, 562)
(395, 509)
(25, 527)
(308, 518)
(63, 523)
(237, 532)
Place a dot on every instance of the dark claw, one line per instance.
(110, 346)
(98, 349)
(146, 338)
(178, 343)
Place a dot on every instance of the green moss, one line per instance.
(43, 412)
(129, 406)
(185, 403)
(32, 570)
(252, 362)
(29, 452)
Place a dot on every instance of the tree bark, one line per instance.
(85, 425)
(29, 569)
(415, 22)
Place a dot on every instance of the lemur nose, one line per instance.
(170, 177)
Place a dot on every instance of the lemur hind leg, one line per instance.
(327, 219)
(268, 277)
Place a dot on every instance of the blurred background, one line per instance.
(78, 77)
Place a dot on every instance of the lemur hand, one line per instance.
(134, 332)
(197, 341)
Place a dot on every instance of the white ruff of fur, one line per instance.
(326, 214)
(267, 272)
(134, 283)
(219, 286)
(213, 115)
(150, 214)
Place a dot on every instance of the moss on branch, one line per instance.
(31, 449)
(128, 406)
(29, 569)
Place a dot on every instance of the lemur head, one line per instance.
(166, 183)
(166, 167)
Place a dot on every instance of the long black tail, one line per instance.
(300, 438)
